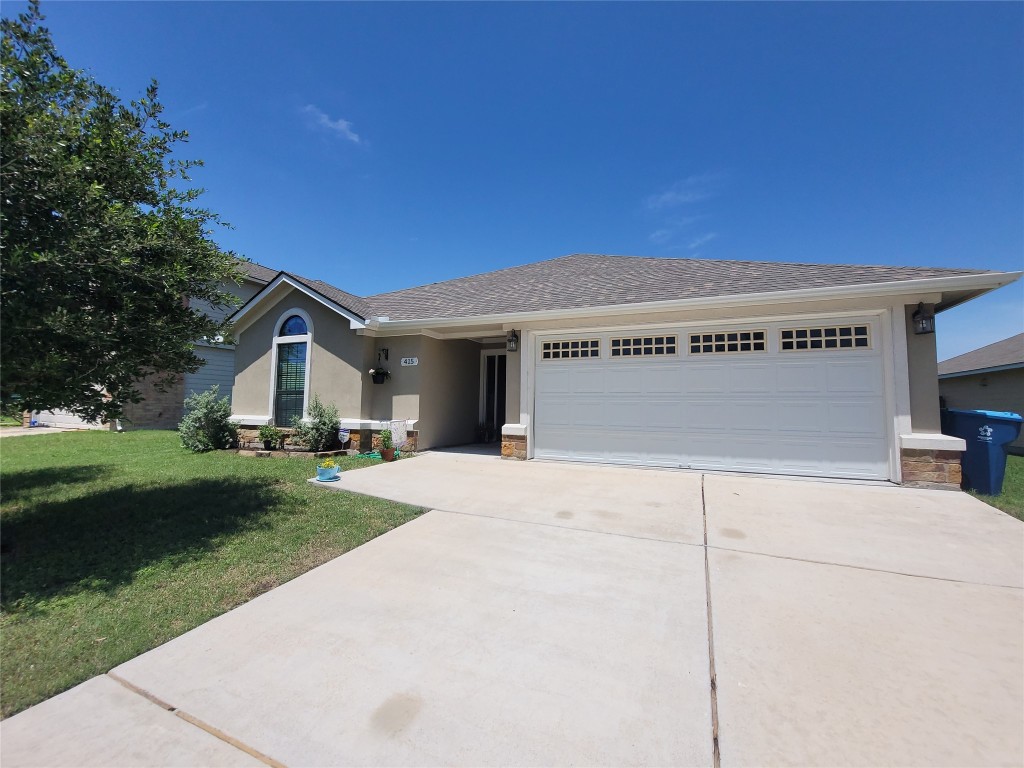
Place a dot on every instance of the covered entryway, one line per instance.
(796, 397)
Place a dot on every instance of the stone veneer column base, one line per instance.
(930, 468)
(513, 447)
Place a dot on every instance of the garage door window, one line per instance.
(643, 346)
(728, 341)
(571, 348)
(832, 337)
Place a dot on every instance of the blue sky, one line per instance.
(382, 145)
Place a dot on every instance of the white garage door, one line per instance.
(796, 398)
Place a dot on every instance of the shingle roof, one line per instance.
(349, 301)
(257, 272)
(587, 280)
(1006, 352)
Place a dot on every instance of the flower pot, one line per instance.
(388, 454)
(268, 445)
(379, 378)
(327, 474)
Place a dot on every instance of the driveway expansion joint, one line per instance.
(711, 636)
(195, 721)
(864, 568)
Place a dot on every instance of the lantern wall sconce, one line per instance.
(512, 342)
(924, 319)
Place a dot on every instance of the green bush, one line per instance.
(320, 429)
(206, 426)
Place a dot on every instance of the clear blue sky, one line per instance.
(382, 145)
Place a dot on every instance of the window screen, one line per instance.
(290, 387)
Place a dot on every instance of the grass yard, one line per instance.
(116, 543)
(1011, 500)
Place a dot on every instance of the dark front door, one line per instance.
(494, 396)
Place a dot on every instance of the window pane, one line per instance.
(291, 383)
(293, 326)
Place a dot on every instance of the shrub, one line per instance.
(386, 439)
(320, 429)
(271, 433)
(206, 425)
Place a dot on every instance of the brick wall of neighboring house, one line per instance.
(158, 410)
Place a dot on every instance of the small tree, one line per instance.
(320, 429)
(102, 243)
(207, 425)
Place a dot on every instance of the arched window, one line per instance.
(293, 326)
(290, 385)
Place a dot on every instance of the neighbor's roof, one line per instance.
(257, 272)
(1008, 352)
(587, 280)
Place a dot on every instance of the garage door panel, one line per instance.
(862, 376)
(752, 379)
(854, 417)
(803, 376)
(810, 412)
(699, 378)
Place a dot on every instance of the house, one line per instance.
(164, 409)
(990, 378)
(792, 369)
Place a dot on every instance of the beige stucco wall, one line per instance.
(338, 360)
(399, 396)
(513, 363)
(922, 365)
(449, 391)
(997, 391)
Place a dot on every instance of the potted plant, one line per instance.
(327, 470)
(271, 436)
(387, 445)
(379, 375)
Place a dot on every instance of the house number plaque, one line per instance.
(410, 361)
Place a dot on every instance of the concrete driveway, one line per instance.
(556, 614)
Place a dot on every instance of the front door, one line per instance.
(492, 398)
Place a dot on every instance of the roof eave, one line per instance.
(979, 371)
(245, 316)
(975, 285)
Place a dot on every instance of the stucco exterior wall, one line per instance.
(449, 392)
(998, 391)
(338, 360)
(923, 369)
(399, 396)
(513, 366)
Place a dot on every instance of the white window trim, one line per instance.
(278, 340)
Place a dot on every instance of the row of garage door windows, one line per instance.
(836, 337)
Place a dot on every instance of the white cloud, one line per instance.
(661, 236)
(340, 127)
(692, 189)
(707, 237)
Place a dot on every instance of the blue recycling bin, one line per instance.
(987, 434)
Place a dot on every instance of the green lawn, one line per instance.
(115, 543)
(9, 421)
(1011, 500)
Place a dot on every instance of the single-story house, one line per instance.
(990, 378)
(164, 409)
(792, 369)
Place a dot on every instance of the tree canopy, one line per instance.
(102, 244)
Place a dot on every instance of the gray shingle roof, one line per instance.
(587, 280)
(349, 301)
(1006, 352)
(257, 272)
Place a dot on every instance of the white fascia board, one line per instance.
(979, 371)
(982, 283)
(355, 322)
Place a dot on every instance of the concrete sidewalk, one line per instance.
(555, 614)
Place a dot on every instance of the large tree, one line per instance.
(102, 243)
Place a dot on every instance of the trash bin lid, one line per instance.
(1005, 415)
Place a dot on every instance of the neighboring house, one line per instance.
(990, 378)
(792, 369)
(163, 410)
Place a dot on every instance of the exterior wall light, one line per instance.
(924, 319)
(512, 342)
